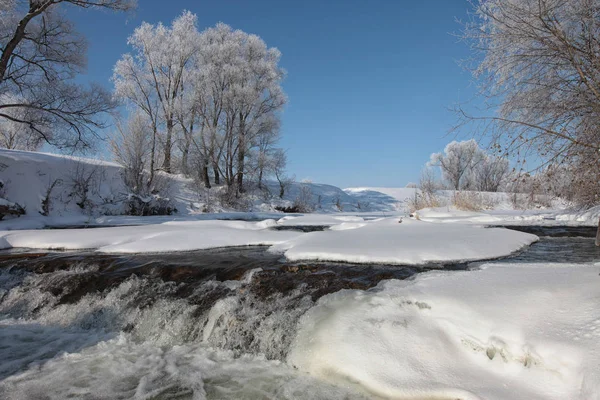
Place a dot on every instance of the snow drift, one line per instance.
(396, 241)
(518, 332)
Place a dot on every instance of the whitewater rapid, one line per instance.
(145, 338)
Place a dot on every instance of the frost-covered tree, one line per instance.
(252, 100)
(215, 70)
(458, 162)
(279, 164)
(131, 147)
(266, 154)
(40, 55)
(217, 95)
(153, 77)
(538, 63)
(238, 100)
(490, 173)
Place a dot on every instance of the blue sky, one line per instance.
(369, 82)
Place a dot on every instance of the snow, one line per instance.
(165, 237)
(26, 177)
(383, 199)
(349, 239)
(564, 217)
(410, 242)
(317, 220)
(506, 331)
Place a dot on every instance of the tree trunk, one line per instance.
(184, 159)
(240, 172)
(205, 175)
(18, 36)
(168, 147)
(241, 154)
(260, 176)
(216, 173)
(152, 157)
(185, 153)
(598, 234)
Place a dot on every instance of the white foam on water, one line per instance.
(135, 340)
(120, 368)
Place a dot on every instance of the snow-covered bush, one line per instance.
(149, 205)
(231, 198)
(426, 196)
(83, 182)
(48, 197)
(304, 200)
(8, 208)
(473, 201)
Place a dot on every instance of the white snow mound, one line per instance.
(166, 237)
(514, 332)
(409, 242)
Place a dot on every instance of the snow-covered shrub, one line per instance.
(84, 181)
(47, 199)
(423, 199)
(10, 208)
(304, 200)
(473, 201)
(230, 197)
(150, 205)
(206, 197)
(426, 196)
(150, 200)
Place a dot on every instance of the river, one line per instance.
(215, 324)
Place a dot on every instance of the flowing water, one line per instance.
(207, 324)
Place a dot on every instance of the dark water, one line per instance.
(558, 244)
(558, 250)
(556, 231)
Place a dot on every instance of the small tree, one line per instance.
(279, 162)
(304, 200)
(457, 163)
(131, 147)
(490, 173)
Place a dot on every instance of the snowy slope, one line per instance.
(499, 209)
(382, 199)
(28, 176)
